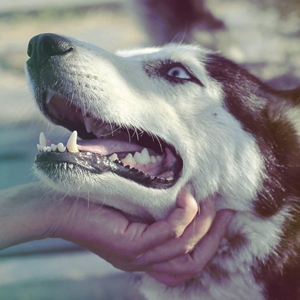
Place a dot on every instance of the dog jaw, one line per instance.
(219, 157)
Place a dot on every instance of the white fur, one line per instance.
(219, 157)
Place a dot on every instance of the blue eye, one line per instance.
(179, 72)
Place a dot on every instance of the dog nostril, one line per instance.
(43, 46)
(53, 45)
(48, 49)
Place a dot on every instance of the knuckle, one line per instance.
(185, 261)
(127, 256)
(127, 251)
(175, 232)
(186, 249)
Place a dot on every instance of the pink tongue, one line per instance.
(107, 147)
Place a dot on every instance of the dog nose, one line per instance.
(43, 46)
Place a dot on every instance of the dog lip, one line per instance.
(97, 164)
(57, 108)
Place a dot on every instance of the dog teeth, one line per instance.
(138, 157)
(88, 122)
(153, 159)
(145, 156)
(128, 159)
(72, 143)
(141, 158)
(49, 97)
(113, 157)
(42, 139)
(98, 133)
(159, 158)
(61, 147)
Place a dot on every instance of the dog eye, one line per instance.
(178, 72)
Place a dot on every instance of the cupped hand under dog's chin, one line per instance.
(172, 251)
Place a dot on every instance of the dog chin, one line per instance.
(138, 202)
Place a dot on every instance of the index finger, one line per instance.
(174, 226)
(194, 262)
(193, 233)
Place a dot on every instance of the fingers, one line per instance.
(192, 264)
(159, 232)
(152, 248)
(110, 235)
(185, 243)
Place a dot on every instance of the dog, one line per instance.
(152, 120)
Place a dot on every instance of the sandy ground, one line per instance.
(262, 35)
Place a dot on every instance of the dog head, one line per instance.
(150, 121)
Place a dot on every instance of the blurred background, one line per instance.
(262, 35)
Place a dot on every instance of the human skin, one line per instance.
(172, 250)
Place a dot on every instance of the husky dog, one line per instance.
(152, 120)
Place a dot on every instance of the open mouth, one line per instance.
(129, 152)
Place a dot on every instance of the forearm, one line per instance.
(23, 214)
(28, 212)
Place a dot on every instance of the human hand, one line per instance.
(172, 251)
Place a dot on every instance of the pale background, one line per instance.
(263, 35)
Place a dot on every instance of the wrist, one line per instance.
(25, 214)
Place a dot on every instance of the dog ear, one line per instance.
(291, 95)
(284, 114)
(285, 108)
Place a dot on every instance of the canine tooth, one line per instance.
(128, 159)
(113, 157)
(49, 97)
(61, 147)
(43, 141)
(153, 159)
(138, 158)
(145, 156)
(98, 133)
(72, 142)
(53, 147)
(88, 122)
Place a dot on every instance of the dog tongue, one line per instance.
(107, 146)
